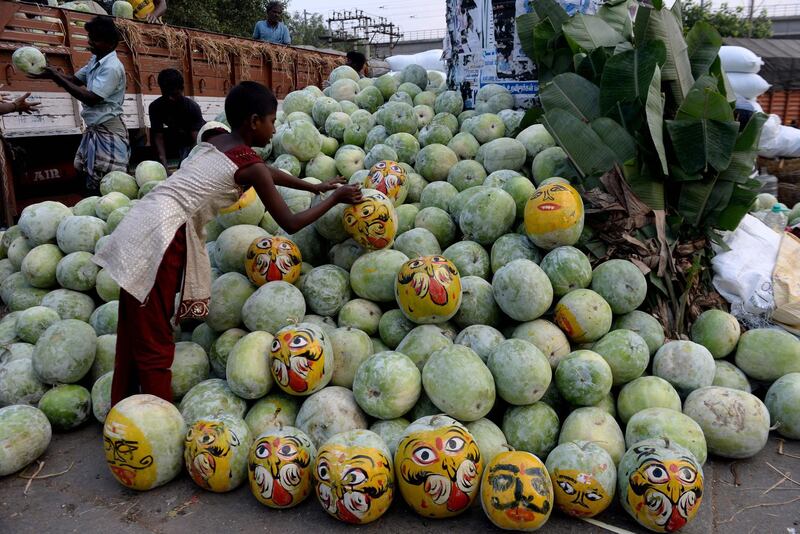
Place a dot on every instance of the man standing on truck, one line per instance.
(357, 61)
(174, 119)
(100, 87)
(273, 30)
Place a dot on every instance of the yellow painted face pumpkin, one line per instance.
(354, 484)
(280, 467)
(301, 359)
(389, 178)
(438, 467)
(128, 452)
(516, 492)
(273, 258)
(209, 451)
(372, 223)
(428, 289)
(554, 216)
(579, 494)
(661, 487)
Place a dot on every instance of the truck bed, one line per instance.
(211, 64)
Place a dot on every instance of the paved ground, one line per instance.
(87, 499)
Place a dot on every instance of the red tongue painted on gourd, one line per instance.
(437, 291)
(273, 272)
(676, 520)
(280, 495)
(346, 515)
(296, 383)
(458, 499)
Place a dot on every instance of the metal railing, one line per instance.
(416, 35)
(783, 10)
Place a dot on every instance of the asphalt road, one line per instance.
(740, 498)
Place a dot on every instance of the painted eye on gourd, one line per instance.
(298, 342)
(657, 474)
(454, 445)
(592, 496)
(266, 243)
(567, 488)
(287, 451)
(415, 264)
(285, 246)
(262, 451)
(502, 482)
(424, 456)
(366, 211)
(276, 345)
(687, 475)
(208, 438)
(323, 472)
(354, 477)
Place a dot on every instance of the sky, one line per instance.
(415, 15)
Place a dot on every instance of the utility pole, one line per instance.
(750, 18)
(360, 29)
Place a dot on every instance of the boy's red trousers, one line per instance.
(145, 342)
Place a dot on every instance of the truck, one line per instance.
(37, 150)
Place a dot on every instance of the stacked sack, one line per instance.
(742, 66)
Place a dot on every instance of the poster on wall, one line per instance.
(482, 46)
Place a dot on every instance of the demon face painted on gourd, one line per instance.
(554, 216)
(584, 478)
(301, 359)
(660, 485)
(355, 477)
(128, 452)
(438, 466)
(389, 178)
(215, 452)
(428, 289)
(280, 467)
(372, 223)
(516, 492)
(273, 258)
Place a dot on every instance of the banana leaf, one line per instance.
(703, 42)
(616, 138)
(573, 94)
(738, 206)
(723, 84)
(525, 25)
(648, 187)
(627, 76)
(588, 32)
(551, 11)
(693, 199)
(745, 151)
(591, 65)
(654, 109)
(616, 14)
(662, 25)
(703, 133)
(588, 153)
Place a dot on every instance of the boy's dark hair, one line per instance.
(170, 80)
(103, 29)
(356, 59)
(274, 4)
(246, 99)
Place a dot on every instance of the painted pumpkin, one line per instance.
(428, 289)
(246, 199)
(215, 452)
(516, 492)
(143, 441)
(301, 359)
(273, 258)
(389, 178)
(438, 466)
(355, 477)
(584, 478)
(280, 467)
(372, 223)
(554, 216)
(660, 485)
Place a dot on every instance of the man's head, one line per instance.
(274, 12)
(356, 60)
(103, 35)
(171, 83)
(250, 109)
